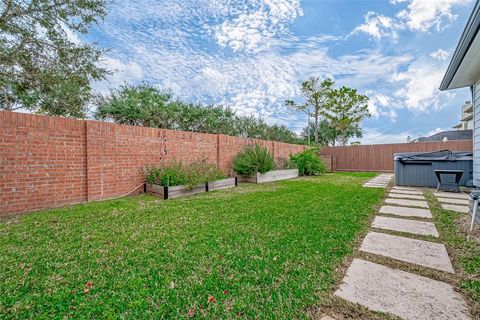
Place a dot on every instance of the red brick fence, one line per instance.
(48, 162)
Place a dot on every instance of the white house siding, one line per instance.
(476, 134)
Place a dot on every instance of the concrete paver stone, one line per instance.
(406, 212)
(404, 294)
(423, 253)
(405, 225)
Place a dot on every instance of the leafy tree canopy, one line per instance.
(146, 105)
(327, 134)
(345, 109)
(43, 66)
(316, 95)
(336, 113)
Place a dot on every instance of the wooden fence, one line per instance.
(379, 157)
(329, 161)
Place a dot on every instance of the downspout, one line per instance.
(474, 196)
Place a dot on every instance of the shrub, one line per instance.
(202, 171)
(253, 159)
(171, 175)
(308, 162)
(177, 174)
(283, 163)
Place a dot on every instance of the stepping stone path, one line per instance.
(455, 207)
(407, 203)
(406, 212)
(404, 225)
(453, 195)
(423, 253)
(454, 201)
(406, 188)
(380, 181)
(412, 192)
(405, 196)
(404, 294)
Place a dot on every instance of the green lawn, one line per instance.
(258, 251)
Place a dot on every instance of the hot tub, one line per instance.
(417, 169)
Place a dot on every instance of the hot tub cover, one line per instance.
(443, 155)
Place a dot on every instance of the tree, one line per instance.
(327, 134)
(141, 105)
(210, 119)
(316, 95)
(345, 109)
(146, 105)
(43, 66)
(281, 133)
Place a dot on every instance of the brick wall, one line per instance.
(48, 162)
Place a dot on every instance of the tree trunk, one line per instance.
(316, 126)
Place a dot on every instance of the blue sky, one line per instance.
(252, 55)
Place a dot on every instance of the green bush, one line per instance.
(308, 162)
(202, 171)
(253, 159)
(171, 175)
(177, 174)
(283, 164)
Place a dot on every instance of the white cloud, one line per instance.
(378, 26)
(439, 54)
(254, 27)
(418, 16)
(254, 83)
(420, 86)
(375, 136)
(423, 15)
(121, 72)
(380, 104)
(378, 136)
(186, 55)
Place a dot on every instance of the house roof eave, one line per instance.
(466, 40)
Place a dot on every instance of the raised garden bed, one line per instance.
(222, 184)
(270, 176)
(181, 191)
(175, 191)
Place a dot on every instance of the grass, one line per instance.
(257, 251)
(465, 253)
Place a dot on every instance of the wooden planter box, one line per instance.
(180, 191)
(270, 176)
(222, 184)
(174, 192)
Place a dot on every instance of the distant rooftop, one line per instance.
(449, 135)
